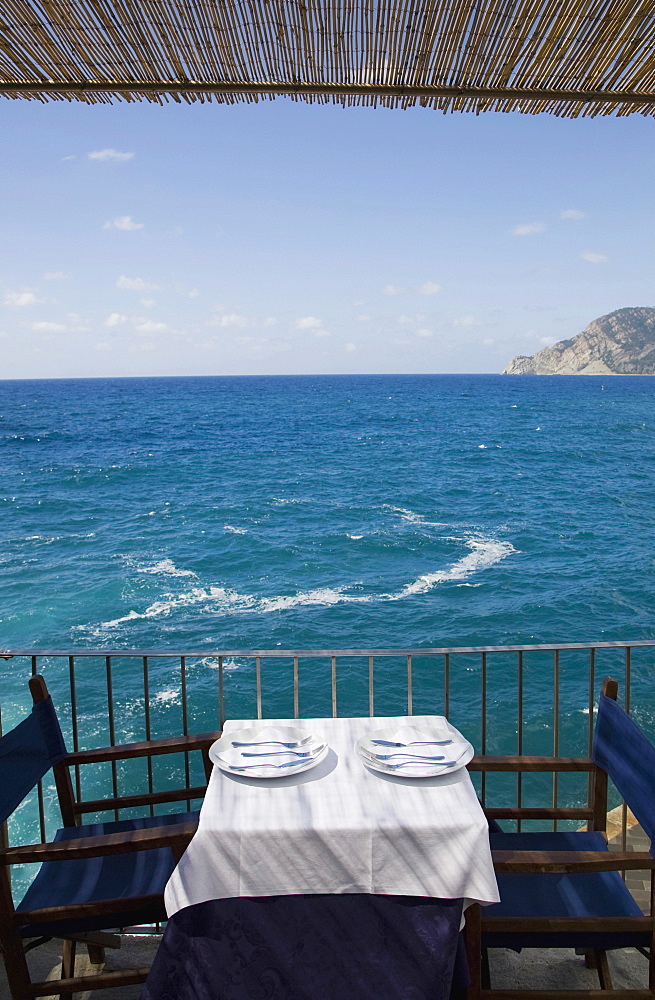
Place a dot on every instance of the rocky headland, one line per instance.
(621, 343)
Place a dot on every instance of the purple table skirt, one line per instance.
(359, 947)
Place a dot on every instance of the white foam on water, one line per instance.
(355, 538)
(212, 663)
(413, 518)
(169, 696)
(49, 539)
(165, 567)
(222, 598)
(235, 531)
(485, 552)
(482, 446)
(407, 515)
(324, 596)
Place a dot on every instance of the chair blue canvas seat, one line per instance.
(565, 889)
(94, 877)
(110, 876)
(568, 895)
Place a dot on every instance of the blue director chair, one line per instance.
(565, 890)
(92, 878)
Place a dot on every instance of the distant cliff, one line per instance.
(621, 343)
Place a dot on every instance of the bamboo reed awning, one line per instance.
(566, 57)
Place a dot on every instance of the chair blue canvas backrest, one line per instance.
(628, 756)
(26, 753)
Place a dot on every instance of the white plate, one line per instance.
(232, 759)
(457, 749)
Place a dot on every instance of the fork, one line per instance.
(277, 743)
(416, 743)
(246, 767)
(284, 753)
(446, 763)
(388, 756)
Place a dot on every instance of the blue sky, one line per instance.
(287, 238)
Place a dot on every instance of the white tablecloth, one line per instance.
(337, 828)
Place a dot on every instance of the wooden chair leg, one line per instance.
(96, 954)
(473, 933)
(11, 945)
(486, 972)
(604, 974)
(68, 965)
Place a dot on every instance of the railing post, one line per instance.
(371, 696)
(258, 681)
(296, 689)
(146, 707)
(112, 732)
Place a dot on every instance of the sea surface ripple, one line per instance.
(318, 512)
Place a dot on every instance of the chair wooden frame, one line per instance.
(143, 909)
(523, 861)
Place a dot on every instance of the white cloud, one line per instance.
(393, 290)
(424, 333)
(349, 348)
(322, 333)
(64, 158)
(55, 275)
(135, 284)
(571, 213)
(109, 154)
(116, 319)
(145, 346)
(102, 345)
(488, 341)
(230, 320)
(526, 228)
(124, 222)
(270, 321)
(594, 258)
(150, 326)
(417, 318)
(193, 294)
(429, 288)
(466, 321)
(548, 341)
(364, 318)
(19, 299)
(44, 326)
(148, 303)
(308, 323)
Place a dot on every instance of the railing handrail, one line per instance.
(396, 651)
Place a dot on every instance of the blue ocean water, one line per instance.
(325, 512)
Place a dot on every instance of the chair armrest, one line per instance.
(570, 861)
(520, 763)
(148, 748)
(93, 847)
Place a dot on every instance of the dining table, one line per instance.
(347, 879)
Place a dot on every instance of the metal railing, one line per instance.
(505, 699)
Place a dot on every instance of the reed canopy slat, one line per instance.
(581, 57)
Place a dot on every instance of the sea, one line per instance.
(324, 512)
